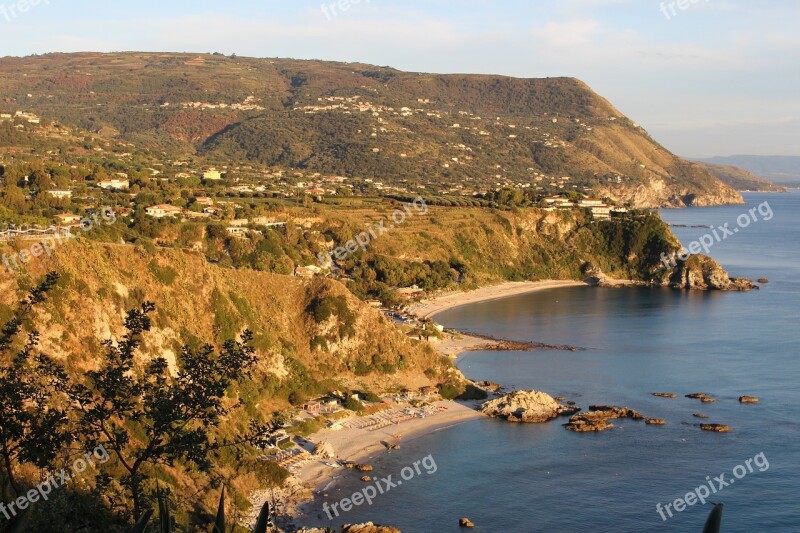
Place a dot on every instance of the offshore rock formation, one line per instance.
(716, 428)
(367, 527)
(597, 419)
(527, 407)
(700, 272)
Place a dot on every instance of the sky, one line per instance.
(704, 77)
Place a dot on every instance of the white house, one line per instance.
(163, 211)
(61, 194)
(591, 202)
(115, 184)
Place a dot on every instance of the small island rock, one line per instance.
(717, 428)
(527, 406)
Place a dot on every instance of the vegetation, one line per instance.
(147, 417)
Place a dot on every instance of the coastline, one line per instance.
(360, 446)
(434, 306)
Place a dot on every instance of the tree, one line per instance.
(33, 401)
(147, 416)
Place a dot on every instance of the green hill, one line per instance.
(440, 131)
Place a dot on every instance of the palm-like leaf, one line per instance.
(219, 523)
(714, 522)
(263, 519)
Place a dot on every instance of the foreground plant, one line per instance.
(157, 415)
(165, 521)
(34, 424)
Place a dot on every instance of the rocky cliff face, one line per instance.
(700, 272)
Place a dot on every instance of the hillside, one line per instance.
(742, 180)
(404, 129)
(199, 302)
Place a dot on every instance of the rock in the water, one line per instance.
(748, 399)
(527, 406)
(597, 419)
(364, 468)
(700, 272)
(465, 522)
(324, 450)
(717, 428)
(763, 280)
(699, 415)
(655, 422)
(702, 396)
(665, 395)
(488, 385)
(366, 479)
(368, 527)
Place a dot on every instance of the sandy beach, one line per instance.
(429, 308)
(359, 445)
(356, 445)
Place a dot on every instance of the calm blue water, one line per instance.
(526, 478)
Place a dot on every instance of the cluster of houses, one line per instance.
(114, 184)
(598, 208)
(30, 118)
(248, 105)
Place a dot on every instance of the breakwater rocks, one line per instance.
(527, 406)
(502, 345)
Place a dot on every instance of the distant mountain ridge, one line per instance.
(784, 170)
(742, 180)
(404, 129)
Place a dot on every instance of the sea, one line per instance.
(542, 478)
